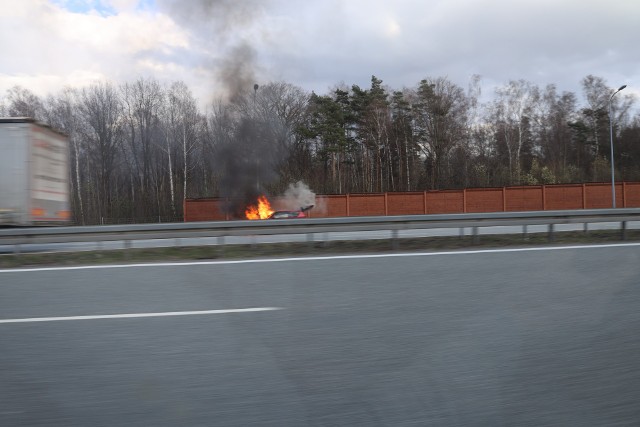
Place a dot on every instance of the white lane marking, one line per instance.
(322, 258)
(135, 315)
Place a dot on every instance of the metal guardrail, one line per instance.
(394, 224)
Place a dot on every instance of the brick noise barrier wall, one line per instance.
(505, 199)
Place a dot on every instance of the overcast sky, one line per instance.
(318, 44)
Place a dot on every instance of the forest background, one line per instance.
(139, 148)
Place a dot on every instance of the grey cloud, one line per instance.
(541, 41)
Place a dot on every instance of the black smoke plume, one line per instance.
(248, 163)
(253, 144)
(221, 26)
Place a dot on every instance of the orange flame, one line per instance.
(261, 211)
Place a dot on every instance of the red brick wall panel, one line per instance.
(405, 203)
(366, 204)
(563, 197)
(619, 195)
(329, 206)
(556, 197)
(523, 199)
(443, 202)
(632, 194)
(485, 200)
(599, 196)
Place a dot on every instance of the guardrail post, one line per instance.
(394, 240)
(220, 243)
(524, 232)
(623, 230)
(127, 246)
(552, 237)
(586, 227)
(16, 249)
(476, 236)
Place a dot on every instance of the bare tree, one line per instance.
(181, 120)
(551, 133)
(218, 132)
(512, 112)
(591, 128)
(282, 107)
(62, 113)
(142, 104)
(22, 102)
(100, 112)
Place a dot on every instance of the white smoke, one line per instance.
(298, 196)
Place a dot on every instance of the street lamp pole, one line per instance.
(613, 180)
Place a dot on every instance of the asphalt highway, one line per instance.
(531, 337)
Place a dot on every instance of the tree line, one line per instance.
(138, 149)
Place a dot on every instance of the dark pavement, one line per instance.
(530, 338)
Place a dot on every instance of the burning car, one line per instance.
(262, 210)
(290, 214)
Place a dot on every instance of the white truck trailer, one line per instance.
(34, 174)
